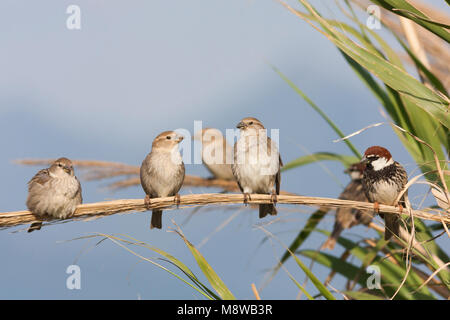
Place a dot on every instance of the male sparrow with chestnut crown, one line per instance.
(257, 163)
(162, 172)
(383, 180)
(54, 192)
(349, 217)
(217, 154)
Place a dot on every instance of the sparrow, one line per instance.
(217, 154)
(349, 217)
(383, 180)
(54, 192)
(257, 164)
(162, 172)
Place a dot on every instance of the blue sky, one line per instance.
(136, 69)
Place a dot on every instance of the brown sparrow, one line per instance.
(349, 217)
(217, 154)
(54, 192)
(162, 172)
(257, 163)
(383, 180)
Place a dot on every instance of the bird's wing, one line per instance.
(280, 164)
(404, 181)
(233, 168)
(278, 176)
(78, 194)
(40, 178)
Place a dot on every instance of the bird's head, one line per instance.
(167, 140)
(61, 167)
(356, 170)
(208, 134)
(250, 124)
(377, 158)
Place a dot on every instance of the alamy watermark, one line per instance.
(373, 22)
(373, 281)
(74, 280)
(73, 21)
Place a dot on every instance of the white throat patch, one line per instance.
(381, 163)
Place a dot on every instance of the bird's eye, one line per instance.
(250, 123)
(59, 165)
(168, 137)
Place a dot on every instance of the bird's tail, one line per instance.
(156, 219)
(392, 226)
(265, 209)
(35, 226)
(331, 241)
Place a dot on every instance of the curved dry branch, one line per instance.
(100, 209)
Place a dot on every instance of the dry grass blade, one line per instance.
(78, 163)
(255, 292)
(99, 170)
(100, 209)
(432, 276)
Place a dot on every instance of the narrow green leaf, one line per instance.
(357, 295)
(321, 156)
(319, 285)
(300, 287)
(319, 111)
(407, 10)
(208, 271)
(310, 225)
(390, 74)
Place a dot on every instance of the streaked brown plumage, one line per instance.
(257, 163)
(162, 171)
(349, 217)
(383, 181)
(217, 154)
(54, 192)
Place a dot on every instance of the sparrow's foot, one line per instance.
(376, 207)
(147, 201)
(177, 200)
(246, 198)
(274, 198)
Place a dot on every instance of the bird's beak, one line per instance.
(364, 160)
(179, 138)
(241, 125)
(66, 169)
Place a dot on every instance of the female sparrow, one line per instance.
(383, 180)
(54, 192)
(349, 217)
(217, 154)
(162, 172)
(257, 163)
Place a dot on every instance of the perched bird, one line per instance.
(349, 217)
(162, 172)
(54, 192)
(217, 154)
(257, 163)
(383, 180)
